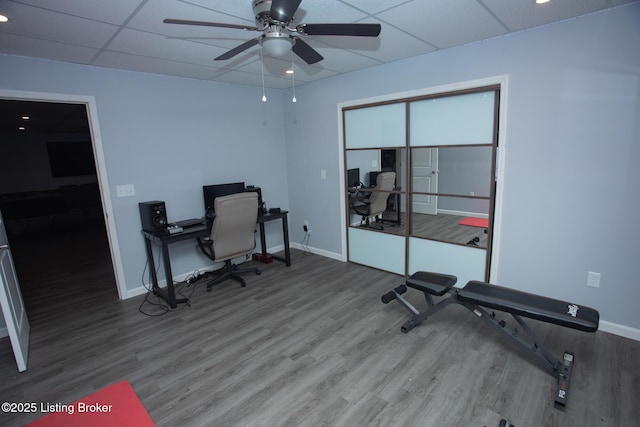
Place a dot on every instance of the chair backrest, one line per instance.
(378, 200)
(234, 226)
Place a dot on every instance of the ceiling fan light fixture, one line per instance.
(277, 46)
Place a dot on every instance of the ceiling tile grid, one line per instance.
(130, 34)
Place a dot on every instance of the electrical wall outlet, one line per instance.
(593, 279)
(305, 226)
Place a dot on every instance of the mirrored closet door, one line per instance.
(420, 183)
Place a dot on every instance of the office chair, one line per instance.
(377, 202)
(232, 235)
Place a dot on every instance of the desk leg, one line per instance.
(169, 295)
(152, 265)
(285, 234)
(399, 218)
(263, 240)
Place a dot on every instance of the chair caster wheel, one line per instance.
(258, 272)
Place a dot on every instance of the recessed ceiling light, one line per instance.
(289, 72)
(25, 117)
(4, 18)
(22, 128)
(542, 1)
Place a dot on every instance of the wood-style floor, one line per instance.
(307, 345)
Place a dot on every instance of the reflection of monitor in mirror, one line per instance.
(210, 192)
(353, 177)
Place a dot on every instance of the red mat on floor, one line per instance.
(475, 222)
(117, 405)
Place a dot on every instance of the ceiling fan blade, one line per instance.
(209, 24)
(283, 10)
(362, 30)
(306, 52)
(236, 50)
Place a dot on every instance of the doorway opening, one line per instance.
(55, 202)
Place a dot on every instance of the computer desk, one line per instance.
(163, 239)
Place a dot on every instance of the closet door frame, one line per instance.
(498, 84)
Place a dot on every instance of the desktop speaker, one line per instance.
(153, 215)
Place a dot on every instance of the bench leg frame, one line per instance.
(560, 369)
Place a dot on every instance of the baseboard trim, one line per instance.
(463, 213)
(620, 330)
(321, 252)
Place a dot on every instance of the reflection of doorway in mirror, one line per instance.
(424, 173)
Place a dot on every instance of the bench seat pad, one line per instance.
(434, 283)
(529, 305)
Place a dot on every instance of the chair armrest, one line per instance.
(205, 244)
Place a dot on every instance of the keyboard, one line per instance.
(190, 222)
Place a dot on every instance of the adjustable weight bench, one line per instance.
(477, 297)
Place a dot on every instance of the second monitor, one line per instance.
(210, 192)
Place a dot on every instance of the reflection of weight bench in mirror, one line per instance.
(477, 297)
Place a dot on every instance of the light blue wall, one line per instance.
(573, 145)
(168, 137)
(571, 192)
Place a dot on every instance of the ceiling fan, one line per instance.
(272, 19)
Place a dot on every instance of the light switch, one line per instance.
(323, 174)
(127, 190)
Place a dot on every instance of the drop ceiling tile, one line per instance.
(126, 61)
(157, 46)
(253, 79)
(396, 44)
(27, 46)
(444, 23)
(392, 44)
(519, 15)
(151, 15)
(312, 12)
(236, 8)
(112, 11)
(343, 61)
(276, 69)
(305, 74)
(37, 23)
(374, 6)
(272, 67)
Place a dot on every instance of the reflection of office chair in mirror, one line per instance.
(376, 205)
(232, 234)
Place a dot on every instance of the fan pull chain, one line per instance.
(264, 97)
(293, 79)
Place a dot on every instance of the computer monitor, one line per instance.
(353, 177)
(210, 192)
